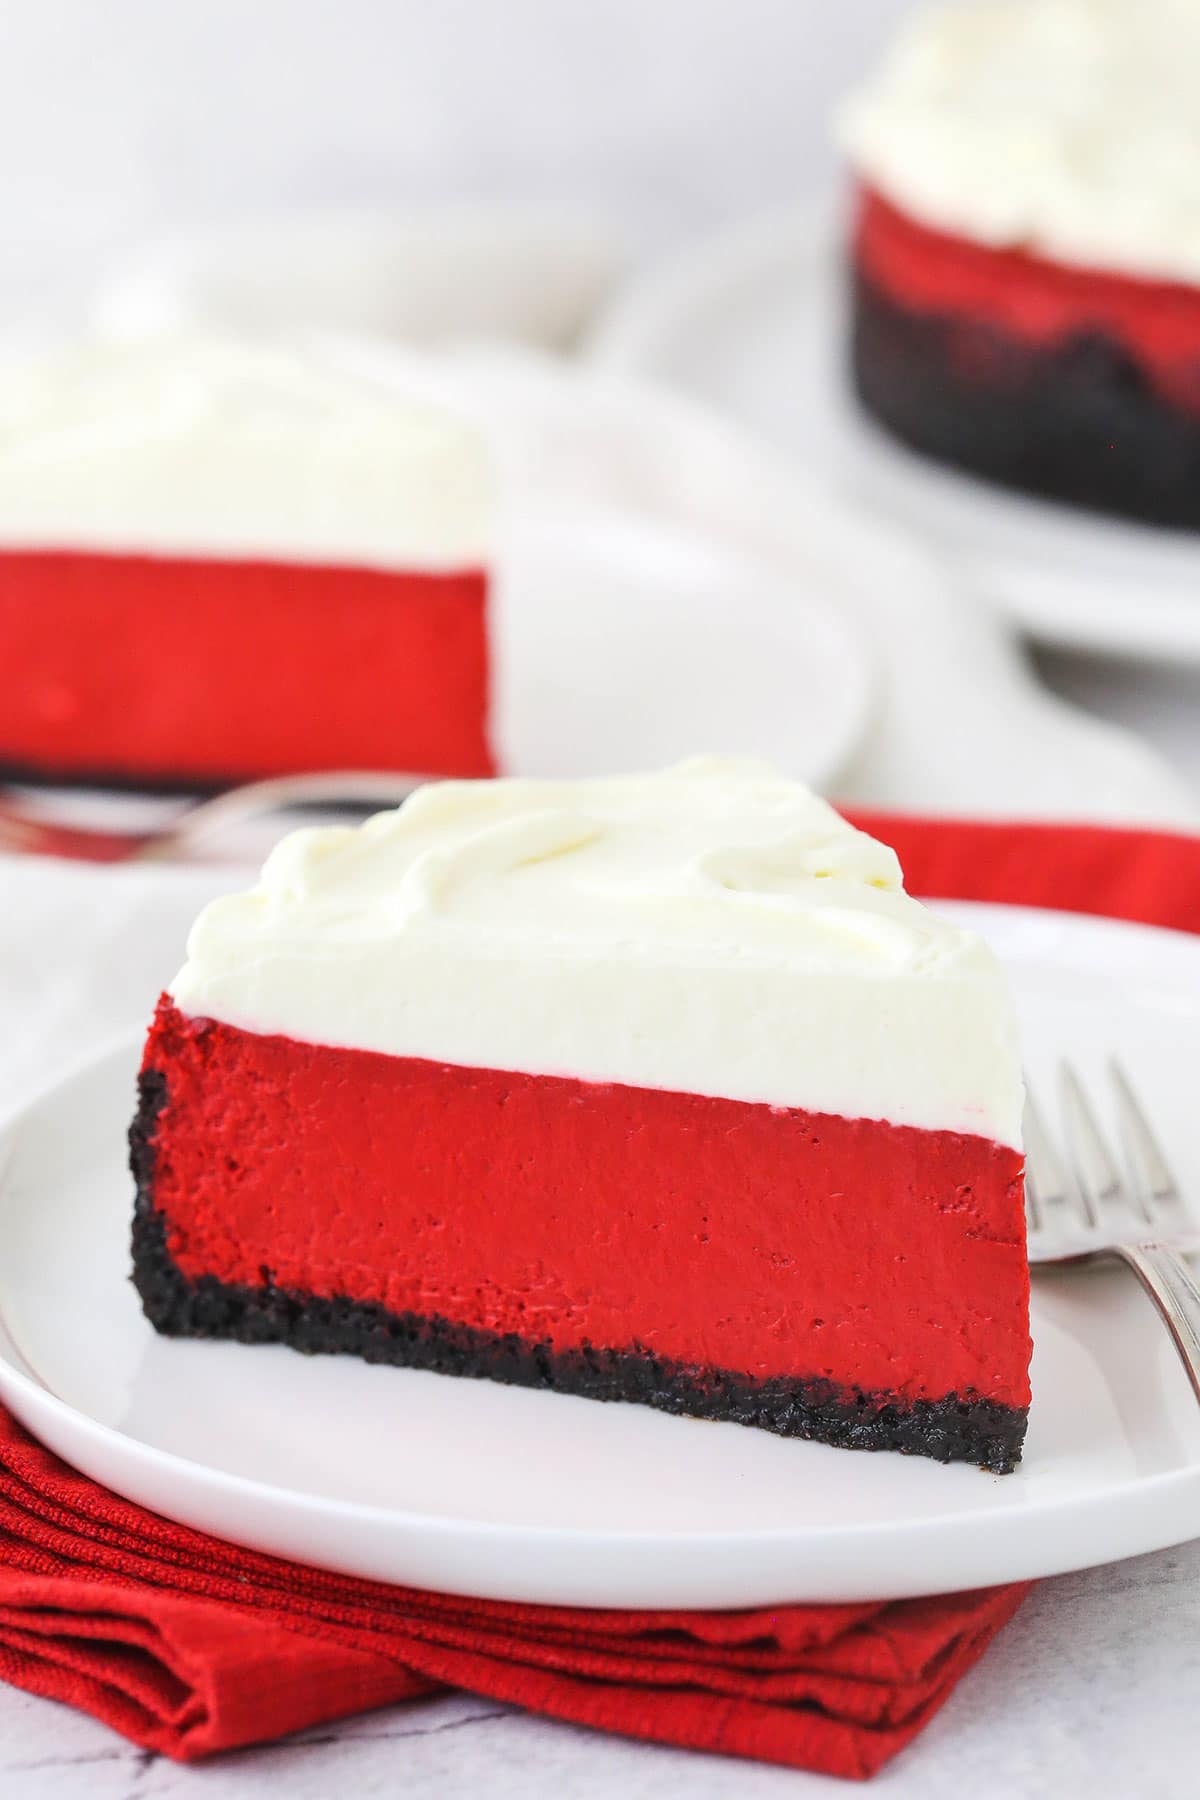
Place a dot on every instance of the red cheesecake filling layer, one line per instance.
(196, 671)
(708, 1232)
(1031, 297)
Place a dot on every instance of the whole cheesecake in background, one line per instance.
(652, 1088)
(223, 561)
(1026, 251)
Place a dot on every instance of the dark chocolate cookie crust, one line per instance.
(954, 1429)
(1076, 421)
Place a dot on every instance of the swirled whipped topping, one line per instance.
(712, 929)
(1067, 127)
(206, 447)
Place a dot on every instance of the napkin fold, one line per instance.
(188, 1645)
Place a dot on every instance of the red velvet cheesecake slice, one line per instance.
(1026, 248)
(654, 1089)
(220, 562)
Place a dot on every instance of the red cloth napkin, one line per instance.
(1150, 876)
(188, 1645)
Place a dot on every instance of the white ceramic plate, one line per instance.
(755, 323)
(631, 627)
(624, 644)
(475, 1488)
(438, 275)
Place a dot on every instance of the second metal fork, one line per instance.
(1080, 1207)
(23, 832)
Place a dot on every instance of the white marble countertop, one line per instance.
(1091, 1690)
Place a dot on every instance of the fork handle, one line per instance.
(1172, 1287)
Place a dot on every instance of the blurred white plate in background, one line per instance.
(622, 644)
(957, 725)
(439, 275)
(754, 322)
(632, 624)
(475, 1488)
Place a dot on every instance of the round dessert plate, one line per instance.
(471, 1487)
(629, 624)
(754, 322)
(621, 643)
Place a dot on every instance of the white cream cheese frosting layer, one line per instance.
(204, 447)
(1068, 127)
(713, 929)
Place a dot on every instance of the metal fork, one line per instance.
(23, 833)
(1081, 1208)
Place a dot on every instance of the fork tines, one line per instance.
(1094, 1181)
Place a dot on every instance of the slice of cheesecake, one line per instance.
(220, 561)
(654, 1088)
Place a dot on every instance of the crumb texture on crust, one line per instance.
(980, 296)
(1078, 420)
(954, 1429)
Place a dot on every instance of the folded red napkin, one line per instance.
(188, 1645)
